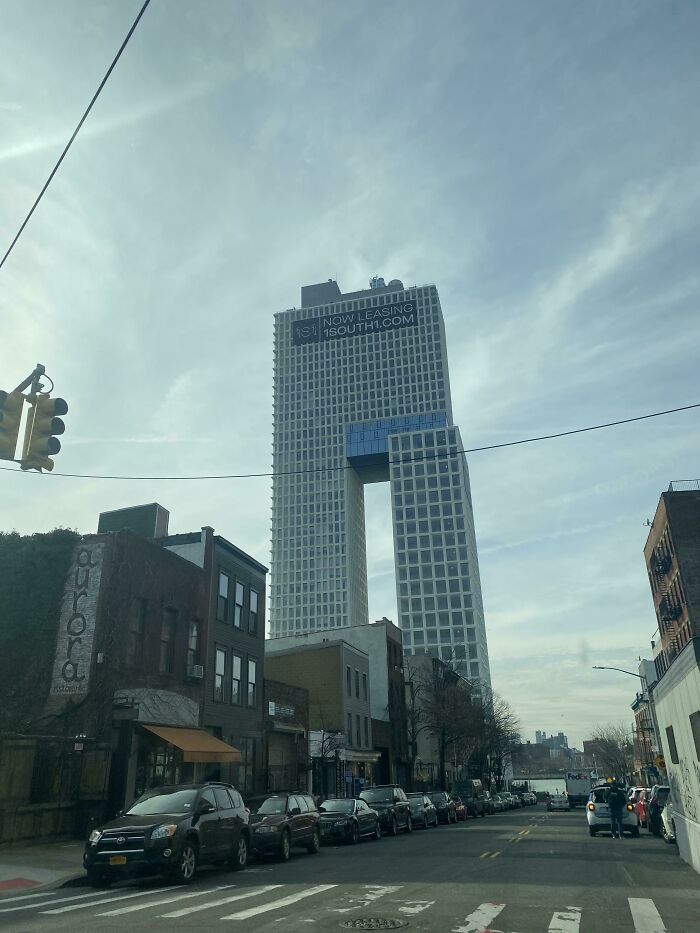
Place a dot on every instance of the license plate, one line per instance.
(117, 860)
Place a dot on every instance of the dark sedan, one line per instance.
(280, 821)
(423, 812)
(444, 805)
(347, 820)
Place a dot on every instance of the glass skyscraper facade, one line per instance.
(362, 395)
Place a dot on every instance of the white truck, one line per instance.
(578, 787)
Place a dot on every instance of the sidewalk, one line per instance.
(35, 866)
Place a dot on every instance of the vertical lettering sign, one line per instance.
(355, 323)
(76, 627)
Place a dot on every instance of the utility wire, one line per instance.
(422, 457)
(75, 132)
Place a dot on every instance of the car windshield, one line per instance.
(164, 801)
(378, 795)
(337, 806)
(438, 797)
(272, 805)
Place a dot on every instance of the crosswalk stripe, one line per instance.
(132, 908)
(645, 915)
(480, 919)
(32, 906)
(103, 900)
(223, 900)
(281, 902)
(566, 921)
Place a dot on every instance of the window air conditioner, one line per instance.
(196, 671)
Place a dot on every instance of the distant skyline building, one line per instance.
(362, 395)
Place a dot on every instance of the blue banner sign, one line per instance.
(355, 323)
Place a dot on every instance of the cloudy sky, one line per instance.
(537, 161)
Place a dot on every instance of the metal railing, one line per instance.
(685, 485)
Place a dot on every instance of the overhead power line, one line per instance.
(423, 457)
(75, 131)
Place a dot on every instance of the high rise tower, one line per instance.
(362, 395)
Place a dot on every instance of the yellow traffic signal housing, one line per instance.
(10, 416)
(43, 424)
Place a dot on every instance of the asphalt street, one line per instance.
(526, 871)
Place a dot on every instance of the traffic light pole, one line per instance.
(33, 380)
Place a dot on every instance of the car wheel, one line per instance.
(354, 835)
(184, 870)
(315, 845)
(240, 854)
(377, 830)
(98, 879)
(394, 826)
(483, 814)
(285, 847)
(635, 832)
(592, 831)
(425, 821)
(409, 825)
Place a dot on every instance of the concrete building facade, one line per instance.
(362, 395)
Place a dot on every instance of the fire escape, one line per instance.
(669, 610)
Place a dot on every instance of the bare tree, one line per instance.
(447, 711)
(613, 750)
(495, 737)
(327, 742)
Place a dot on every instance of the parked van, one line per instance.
(472, 793)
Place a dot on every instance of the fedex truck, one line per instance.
(578, 787)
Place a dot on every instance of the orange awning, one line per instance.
(196, 744)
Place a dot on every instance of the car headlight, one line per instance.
(95, 836)
(630, 808)
(267, 829)
(591, 807)
(164, 831)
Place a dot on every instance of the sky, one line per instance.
(537, 161)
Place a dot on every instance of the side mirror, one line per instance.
(204, 808)
(295, 811)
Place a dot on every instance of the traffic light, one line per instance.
(43, 424)
(10, 416)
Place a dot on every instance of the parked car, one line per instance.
(668, 826)
(391, 804)
(423, 810)
(171, 830)
(598, 813)
(530, 798)
(445, 806)
(347, 820)
(499, 803)
(655, 804)
(488, 803)
(558, 802)
(279, 822)
(460, 808)
(507, 799)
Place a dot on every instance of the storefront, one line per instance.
(174, 755)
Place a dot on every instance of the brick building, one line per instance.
(336, 674)
(286, 708)
(672, 557)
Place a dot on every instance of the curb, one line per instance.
(76, 879)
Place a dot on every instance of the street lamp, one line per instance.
(645, 690)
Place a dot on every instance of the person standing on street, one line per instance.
(616, 801)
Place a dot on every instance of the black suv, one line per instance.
(171, 829)
(280, 821)
(391, 805)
